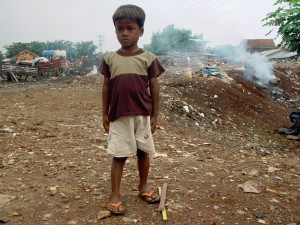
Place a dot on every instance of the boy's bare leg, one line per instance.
(117, 167)
(143, 166)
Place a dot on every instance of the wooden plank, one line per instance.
(14, 78)
(164, 211)
(163, 197)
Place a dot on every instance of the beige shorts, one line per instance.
(129, 133)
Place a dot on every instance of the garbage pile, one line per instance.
(294, 131)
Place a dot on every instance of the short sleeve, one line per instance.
(104, 69)
(155, 69)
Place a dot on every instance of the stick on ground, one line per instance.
(163, 197)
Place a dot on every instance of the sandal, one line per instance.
(149, 197)
(111, 205)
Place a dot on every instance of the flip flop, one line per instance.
(110, 205)
(148, 197)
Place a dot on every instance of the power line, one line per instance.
(207, 9)
(200, 13)
(225, 12)
(167, 13)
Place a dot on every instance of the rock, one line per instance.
(175, 206)
(103, 214)
(261, 221)
(5, 199)
(240, 212)
(47, 217)
(7, 129)
(254, 173)
(249, 187)
(53, 191)
(272, 169)
(186, 108)
(4, 219)
(71, 222)
(126, 219)
(259, 215)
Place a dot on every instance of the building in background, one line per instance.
(259, 45)
(24, 56)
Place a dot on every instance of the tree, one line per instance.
(287, 19)
(36, 47)
(74, 51)
(172, 39)
(14, 49)
(1, 56)
(85, 48)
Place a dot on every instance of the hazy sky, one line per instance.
(220, 21)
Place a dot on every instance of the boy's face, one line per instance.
(128, 33)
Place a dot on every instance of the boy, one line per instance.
(130, 110)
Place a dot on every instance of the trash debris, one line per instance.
(249, 187)
(294, 131)
(128, 220)
(210, 71)
(276, 192)
(15, 214)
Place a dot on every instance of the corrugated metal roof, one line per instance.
(278, 53)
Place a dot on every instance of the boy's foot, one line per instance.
(150, 197)
(115, 208)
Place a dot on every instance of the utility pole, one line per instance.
(100, 43)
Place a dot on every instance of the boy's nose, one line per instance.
(125, 33)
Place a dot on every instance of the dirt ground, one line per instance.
(214, 140)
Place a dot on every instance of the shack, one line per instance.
(259, 45)
(24, 56)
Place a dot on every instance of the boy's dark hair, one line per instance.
(132, 12)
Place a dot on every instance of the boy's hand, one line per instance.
(153, 121)
(106, 123)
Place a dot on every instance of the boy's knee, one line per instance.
(119, 160)
(141, 154)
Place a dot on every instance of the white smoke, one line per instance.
(257, 67)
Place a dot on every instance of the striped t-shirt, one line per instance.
(129, 82)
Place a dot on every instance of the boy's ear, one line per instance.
(141, 31)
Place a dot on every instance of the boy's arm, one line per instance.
(154, 91)
(105, 103)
